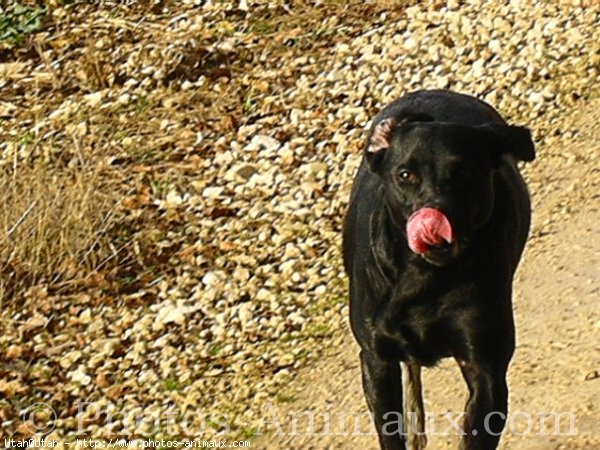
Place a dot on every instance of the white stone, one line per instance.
(173, 199)
(124, 99)
(263, 142)
(245, 313)
(93, 99)
(210, 279)
(411, 45)
(79, 376)
(212, 192)
(169, 312)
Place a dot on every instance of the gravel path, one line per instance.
(556, 365)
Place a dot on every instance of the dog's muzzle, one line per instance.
(429, 230)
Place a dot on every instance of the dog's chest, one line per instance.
(417, 325)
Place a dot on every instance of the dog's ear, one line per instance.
(379, 142)
(510, 139)
(381, 136)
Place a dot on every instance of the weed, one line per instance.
(26, 139)
(214, 425)
(284, 397)
(263, 27)
(318, 330)
(215, 349)
(143, 155)
(171, 384)
(18, 21)
(160, 188)
(53, 225)
(249, 432)
(142, 105)
(249, 102)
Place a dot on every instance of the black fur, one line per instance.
(455, 301)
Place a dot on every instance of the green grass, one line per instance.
(71, 2)
(215, 349)
(250, 102)
(286, 397)
(142, 105)
(263, 26)
(171, 384)
(143, 155)
(27, 138)
(318, 330)
(249, 432)
(160, 188)
(18, 21)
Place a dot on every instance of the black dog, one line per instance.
(437, 222)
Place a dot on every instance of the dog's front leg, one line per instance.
(382, 383)
(486, 408)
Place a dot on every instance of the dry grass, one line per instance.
(62, 220)
(53, 226)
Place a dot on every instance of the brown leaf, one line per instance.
(102, 380)
(35, 322)
(227, 246)
(25, 429)
(115, 392)
(10, 388)
(228, 123)
(5, 413)
(188, 254)
(594, 374)
(136, 201)
(14, 352)
(222, 211)
(261, 86)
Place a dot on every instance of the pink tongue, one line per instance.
(428, 227)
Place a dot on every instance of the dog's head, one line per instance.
(438, 177)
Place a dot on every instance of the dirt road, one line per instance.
(556, 368)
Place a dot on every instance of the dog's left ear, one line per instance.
(510, 139)
(381, 135)
(379, 142)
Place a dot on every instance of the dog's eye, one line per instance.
(408, 176)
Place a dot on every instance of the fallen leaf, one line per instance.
(14, 352)
(102, 380)
(115, 392)
(25, 429)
